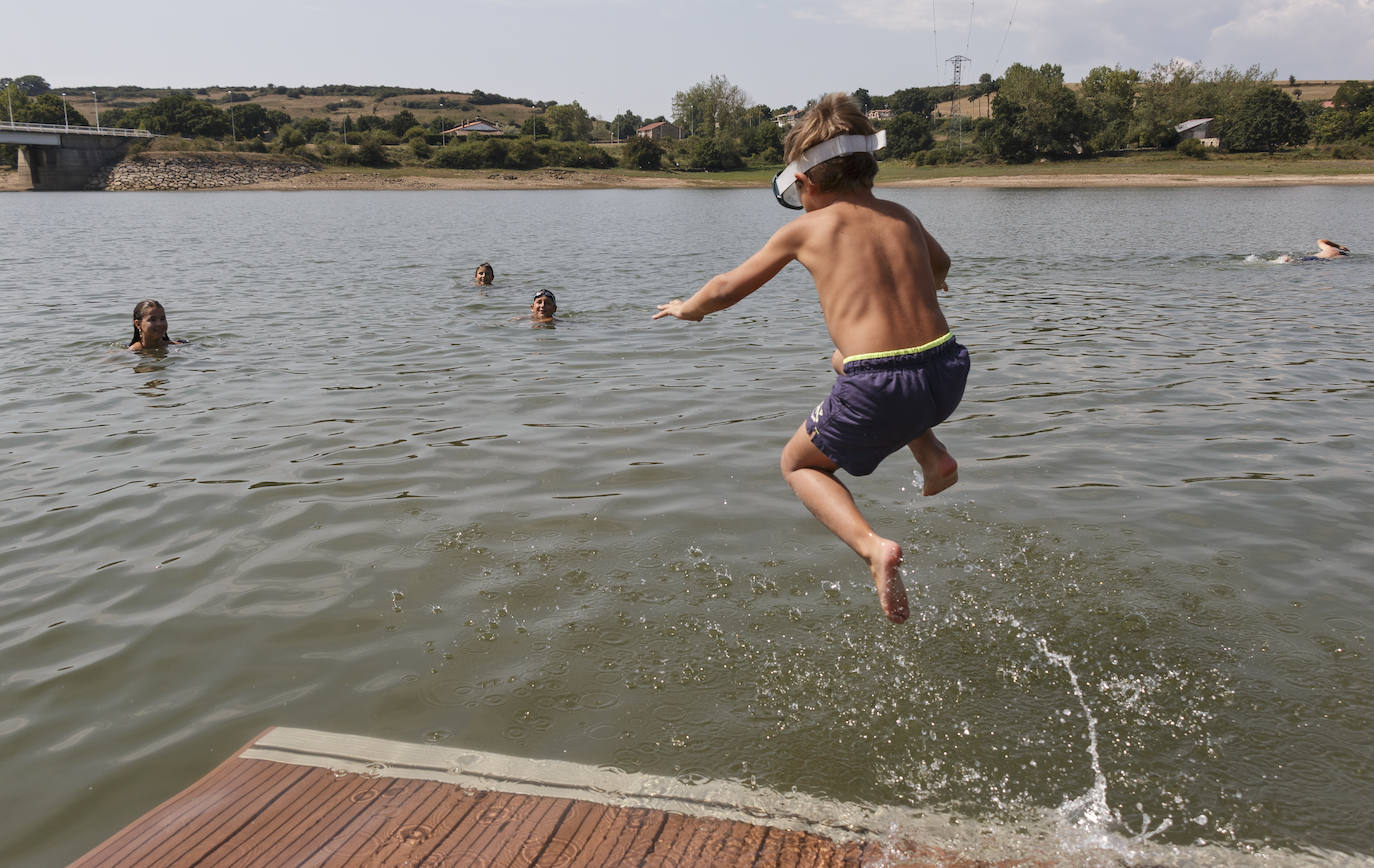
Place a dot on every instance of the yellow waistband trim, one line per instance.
(887, 354)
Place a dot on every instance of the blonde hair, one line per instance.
(835, 114)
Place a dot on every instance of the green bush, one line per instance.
(575, 155)
(1192, 148)
(714, 154)
(372, 152)
(523, 154)
(641, 153)
(459, 155)
(290, 139)
(336, 153)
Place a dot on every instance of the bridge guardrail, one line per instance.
(67, 128)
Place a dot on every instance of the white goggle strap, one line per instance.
(828, 150)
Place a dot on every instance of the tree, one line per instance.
(1342, 125)
(1266, 120)
(710, 107)
(569, 123)
(642, 153)
(861, 96)
(908, 133)
(1108, 97)
(312, 127)
(290, 139)
(763, 140)
(366, 123)
(1354, 95)
(1176, 92)
(43, 109)
(625, 124)
(180, 114)
(28, 85)
(1166, 98)
(401, 122)
(251, 120)
(1035, 115)
(916, 100)
(371, 152)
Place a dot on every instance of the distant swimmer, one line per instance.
(1326, 249)
(1330, 249)
(484, 275)
(150, 326)
(901, 372)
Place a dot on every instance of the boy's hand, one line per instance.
(676, 308)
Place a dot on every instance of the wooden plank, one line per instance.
(296, 798)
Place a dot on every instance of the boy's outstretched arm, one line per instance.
(726, 289)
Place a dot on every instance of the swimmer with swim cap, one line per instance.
(1326, 249)
(1330, 249)
(544, 306)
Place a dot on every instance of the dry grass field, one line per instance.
(1305, 90)
(425, 106)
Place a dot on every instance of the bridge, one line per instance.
(63, 156)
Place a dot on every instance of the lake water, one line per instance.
(367, 498)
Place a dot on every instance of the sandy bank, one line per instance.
(572, 179)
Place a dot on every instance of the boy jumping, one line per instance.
(901, 372)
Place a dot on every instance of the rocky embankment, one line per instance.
(181, 170)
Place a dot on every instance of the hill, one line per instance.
(1302, 89)
(336, 102)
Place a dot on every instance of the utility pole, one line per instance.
(97, 110)
(955, 120)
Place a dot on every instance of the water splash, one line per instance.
(1087, 820)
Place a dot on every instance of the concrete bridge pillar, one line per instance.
(71, 164)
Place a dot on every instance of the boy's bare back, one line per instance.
(876, 271)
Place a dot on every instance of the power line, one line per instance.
(934, 41)
(1010, 18)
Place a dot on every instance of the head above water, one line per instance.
(543, 307)
(484, 275)
(833, 116)
(145, 313)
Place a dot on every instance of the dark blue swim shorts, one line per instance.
(878, 405)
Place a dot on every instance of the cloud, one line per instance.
(1307, 38)
(876, 14)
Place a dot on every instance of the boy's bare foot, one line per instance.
(936, 484)
(939, 470)
(887, 577)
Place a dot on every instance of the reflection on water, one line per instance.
(1140, 621)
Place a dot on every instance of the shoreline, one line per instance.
(582, 179)
(579, 179)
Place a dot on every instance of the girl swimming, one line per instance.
(150, 326)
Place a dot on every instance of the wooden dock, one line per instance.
(306, 798)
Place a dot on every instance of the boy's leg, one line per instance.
(939, 470)
(812, 476)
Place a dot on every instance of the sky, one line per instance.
(614, 55)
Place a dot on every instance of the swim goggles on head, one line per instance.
(785, 182)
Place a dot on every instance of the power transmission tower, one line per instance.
(955, 120)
